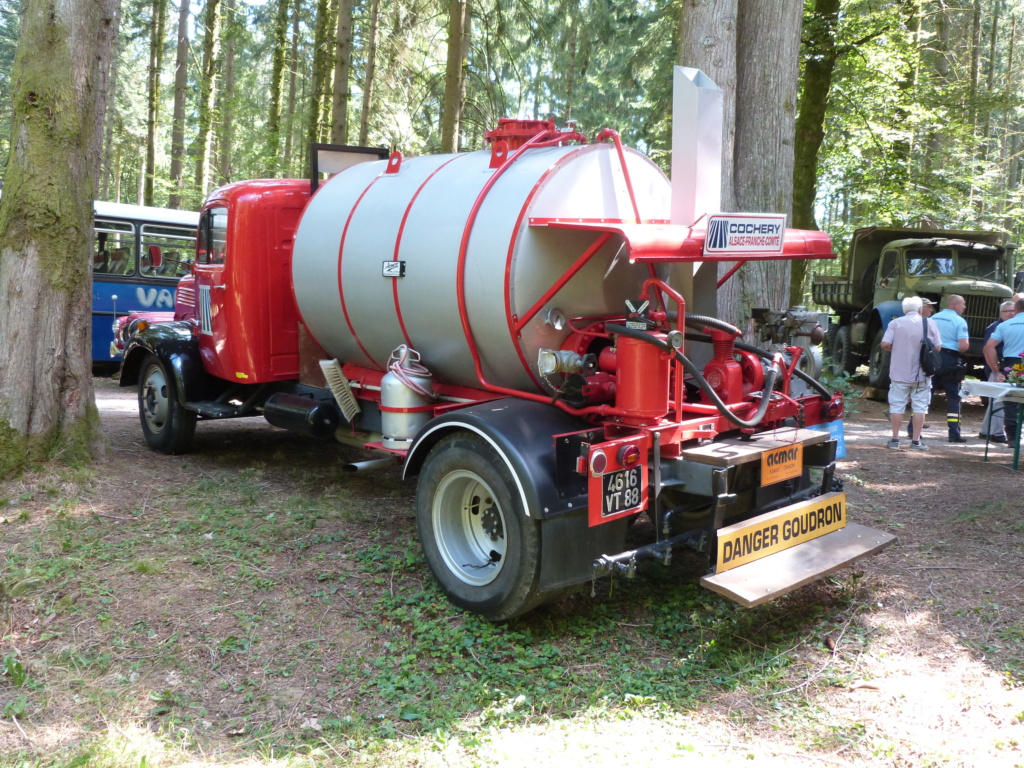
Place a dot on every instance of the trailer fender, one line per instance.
(522, 433)
(174, 344)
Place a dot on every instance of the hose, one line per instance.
(769, 383)
(744, 347)
(709, 322)
(404, 364)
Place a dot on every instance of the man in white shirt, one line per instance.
(902, 339)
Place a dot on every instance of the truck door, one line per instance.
(212, 290)
(888, 282)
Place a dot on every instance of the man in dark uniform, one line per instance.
(1011, 335)
(993, 418)
(955, 341)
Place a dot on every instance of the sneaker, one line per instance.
(957, 439)
(918, 445)
(894, 444)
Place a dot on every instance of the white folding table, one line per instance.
(1002, 393)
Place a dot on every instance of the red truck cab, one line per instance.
(245, 313)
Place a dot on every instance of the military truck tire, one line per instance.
(843, 358)
(166, 425)
(878, 363)
(479, 543)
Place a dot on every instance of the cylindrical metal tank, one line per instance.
(433, 218)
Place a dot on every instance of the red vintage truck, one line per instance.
(503, 322)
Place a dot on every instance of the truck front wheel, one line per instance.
(878, 363)
(479, 543)
(843, 358)
(168, 427)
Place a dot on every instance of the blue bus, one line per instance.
(139, 253)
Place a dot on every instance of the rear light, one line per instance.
(833, 410)
(629, 455)
(598, 462)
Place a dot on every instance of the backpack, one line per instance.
(931, 360)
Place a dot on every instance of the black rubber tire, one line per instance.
(167, 426)
(479, 543)
(843, 358)
(878, 363)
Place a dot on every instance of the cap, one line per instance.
(929, 301)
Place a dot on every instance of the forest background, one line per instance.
(909, 111)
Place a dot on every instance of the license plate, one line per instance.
(621, 491)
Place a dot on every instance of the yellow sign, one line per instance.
(780, 464)
(776, 531)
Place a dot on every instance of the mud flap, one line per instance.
(775, 575)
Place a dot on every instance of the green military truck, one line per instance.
(887, 264)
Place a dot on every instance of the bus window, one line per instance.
(167, 251)
(115, 248)
(213, 236)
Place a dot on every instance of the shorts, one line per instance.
(919, 393)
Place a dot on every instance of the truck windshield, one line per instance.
(929, 261)
(981, 267)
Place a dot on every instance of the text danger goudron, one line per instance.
(799, 526)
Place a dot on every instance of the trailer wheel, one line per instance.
(878, 363)
(478, 541)
(168, 427)
(843, 358)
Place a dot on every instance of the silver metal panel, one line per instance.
(566, 182)
(315, 260)
(588, 185)
(493, 239)
(371, 240)
(430, 245)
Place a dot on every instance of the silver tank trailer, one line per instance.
(364, 216)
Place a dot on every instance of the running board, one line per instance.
(775, 575)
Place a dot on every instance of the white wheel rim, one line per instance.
(469, 528)
(154, 401)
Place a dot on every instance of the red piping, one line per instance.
(609, 133)
(560, 283)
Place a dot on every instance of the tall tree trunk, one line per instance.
(570, 75)
(60, 82)
(178, 114)
(975, 54)
(107, 180)
(820, 57)
(342, 70)
(990, 82)
(320, 70)
(715, 55)
(276, 85)
(225, 139)
(207, 88)
(157, 26)
(767, 71)
(293, 76)
(459, 28)
(371, 71)
(754, 58)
